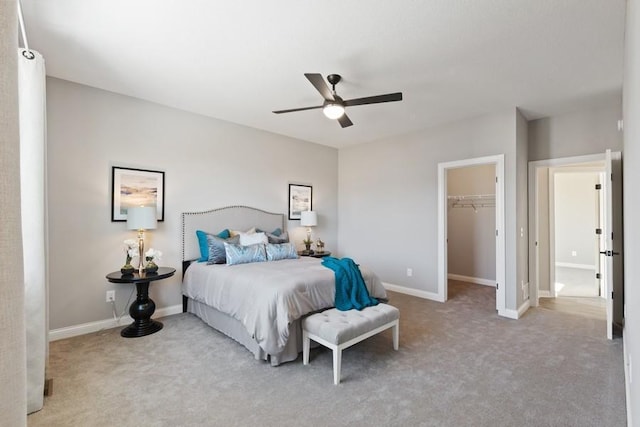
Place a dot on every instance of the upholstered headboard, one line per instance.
(231, 217)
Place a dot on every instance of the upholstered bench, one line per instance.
(338, 330)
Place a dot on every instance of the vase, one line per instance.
(127, 269)
(151, 267)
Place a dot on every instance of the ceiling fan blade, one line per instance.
(318, 82)
(345, 121)
(297, 109)
(389, 97)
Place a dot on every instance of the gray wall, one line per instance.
(13, 393)
(388, 198)
(632, 205)
(588, 131)
(207, 163)
(471, 239)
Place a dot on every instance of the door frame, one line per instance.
(498, 162)
(534, 256)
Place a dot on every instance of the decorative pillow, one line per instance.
(277, 239)
(276, 232)
(252, 239)
(217, 253)
(238, 232)
(281, 251)
(204, 244)
(238, 254)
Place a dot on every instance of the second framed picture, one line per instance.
(136, 187)
(299, 200)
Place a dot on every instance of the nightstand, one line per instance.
(143, 307)
(315, 254)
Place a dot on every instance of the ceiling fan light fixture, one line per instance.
(333, 110)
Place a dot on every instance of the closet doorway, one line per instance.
(471, 225)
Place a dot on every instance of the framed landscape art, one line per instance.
(136, 187)
(299, 199)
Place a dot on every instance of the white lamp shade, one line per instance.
(141, 218)
(308, 219)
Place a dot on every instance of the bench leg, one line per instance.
(305, 348)
(395, 330)
(337, 364)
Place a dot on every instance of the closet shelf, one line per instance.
(472, 201)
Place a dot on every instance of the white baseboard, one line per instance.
(476, 280)
(516, 314)
(544, 294)
(413, 292)
(578, 266)
(87, 328)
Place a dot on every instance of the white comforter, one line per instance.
(267, 296)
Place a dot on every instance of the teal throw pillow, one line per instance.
(204, 244)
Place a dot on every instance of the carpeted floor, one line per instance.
(459, 364)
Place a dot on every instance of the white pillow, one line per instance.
(234, 233)
(253, 239)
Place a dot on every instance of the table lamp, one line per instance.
(308, 219)
(141, 218)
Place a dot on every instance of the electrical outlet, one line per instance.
(409, 272)
(111, 296)
(574, 253)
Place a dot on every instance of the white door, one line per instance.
(612, 231)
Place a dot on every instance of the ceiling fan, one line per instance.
(333, 106)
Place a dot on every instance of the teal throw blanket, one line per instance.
(351, 291)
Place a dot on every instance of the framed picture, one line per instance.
(299, 199)
(136, 187)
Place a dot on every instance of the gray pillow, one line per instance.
(277, 239)
(281, 251)
(217, 254)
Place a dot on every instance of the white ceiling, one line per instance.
(239, 60)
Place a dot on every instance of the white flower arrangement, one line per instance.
(131, 249)
(153, 255)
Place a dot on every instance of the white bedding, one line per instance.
(266, 296)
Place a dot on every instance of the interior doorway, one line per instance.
(572, 234)
(575, 215)
(469, 203)
(471, 224)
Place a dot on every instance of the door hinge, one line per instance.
(496, 232)
(598, 186)
(597, 275)
(497, 286)
(598, 230)
(611, 294)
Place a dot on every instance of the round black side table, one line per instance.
(143, 307)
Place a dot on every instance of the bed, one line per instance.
(259, 304)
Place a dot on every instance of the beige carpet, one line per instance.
(459, 364)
